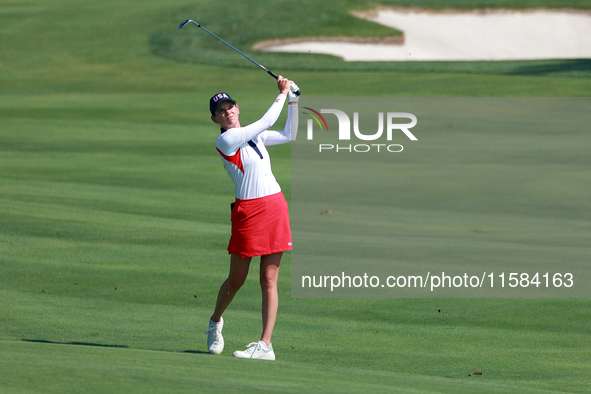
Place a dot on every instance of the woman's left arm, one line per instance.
(290, 132)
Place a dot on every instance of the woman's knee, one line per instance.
(235, 282)
(268, 280)
(238, 272)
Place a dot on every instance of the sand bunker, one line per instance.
(476, 35)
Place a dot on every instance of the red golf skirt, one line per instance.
(260, 226)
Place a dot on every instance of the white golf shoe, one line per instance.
(215, 340)
(256, 350)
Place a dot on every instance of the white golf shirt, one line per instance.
(251, 170)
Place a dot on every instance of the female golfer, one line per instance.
(260, 219)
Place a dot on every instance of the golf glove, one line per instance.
(292, 98)
(293, 95)
(295, 89)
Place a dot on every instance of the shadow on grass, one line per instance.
(559, 67)
(74, 343)
(195, 352)
(98, 345)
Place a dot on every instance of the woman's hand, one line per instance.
(284, 85)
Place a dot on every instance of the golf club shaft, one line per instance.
(271, 73)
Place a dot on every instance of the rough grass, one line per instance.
(249, 25)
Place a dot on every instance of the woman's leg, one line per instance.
(238, 273)
(269, 274)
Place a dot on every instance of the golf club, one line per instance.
(271, 73)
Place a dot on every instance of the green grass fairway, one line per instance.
(55, 368)
(114, 222)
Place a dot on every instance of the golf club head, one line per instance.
(183, 23)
